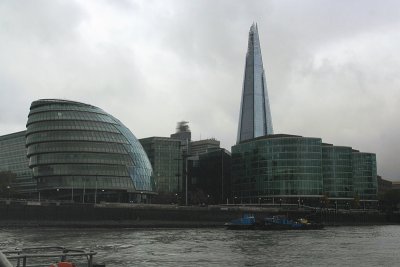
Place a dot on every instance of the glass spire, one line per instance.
(255, 115)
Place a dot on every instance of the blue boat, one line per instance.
(247, 222)
(281, 222)
(277, 222)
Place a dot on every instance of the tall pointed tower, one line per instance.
(255, 115)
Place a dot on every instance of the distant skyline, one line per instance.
(331, 66)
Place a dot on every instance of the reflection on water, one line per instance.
(337, 246)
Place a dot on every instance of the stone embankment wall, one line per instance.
(148, 215)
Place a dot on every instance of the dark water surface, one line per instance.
(336, 246)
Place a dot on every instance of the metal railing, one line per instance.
(51, 253)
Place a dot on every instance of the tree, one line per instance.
(326, 200)
(356, 201)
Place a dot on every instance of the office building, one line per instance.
(165, 156)
(337, 172)
(365, 183)
(290, 168)
(255, 114)
(203, 146)
(13, 159)
(80, 152)
(384, 185)
(210, 177)
(275, 167)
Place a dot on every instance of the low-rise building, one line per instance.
(294, 169)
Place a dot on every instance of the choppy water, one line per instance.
(336, 246)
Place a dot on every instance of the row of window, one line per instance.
(336, 169)
(87, 182)
(68, 115)
(287, 141)
(71, 125)
(66, 107)
(278, 192)
(80, 158)
(76, 169)
(102, 147)
(74, 136)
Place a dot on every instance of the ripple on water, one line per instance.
(337, 246)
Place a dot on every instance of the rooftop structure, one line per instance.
(203, 146)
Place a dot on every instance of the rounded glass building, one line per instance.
(79, 152)
(277, 167)
(337, 172)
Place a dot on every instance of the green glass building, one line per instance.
(13, 159)
(165, 156)
(291, 168)
(79, 152)
(277, 166)
(337, 171)
(364, 175)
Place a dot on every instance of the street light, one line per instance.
(95, 192)
(72, 190)
(84, 189)
(8, 189)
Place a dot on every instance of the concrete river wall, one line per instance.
(25, 213)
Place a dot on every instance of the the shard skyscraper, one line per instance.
(255, 115)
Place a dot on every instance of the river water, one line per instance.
(333, 246)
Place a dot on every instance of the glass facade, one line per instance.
(165, 156)
(364, 175)
(287, 166)
(13, 158)
(209, 177)
(255, 115)
(337, 171)
(277, 166)
(75, 145)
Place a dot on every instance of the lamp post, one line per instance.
(178, 174)
(222, 176)
(8, 189)
(95, 192)
(72, 190)
(84, 185)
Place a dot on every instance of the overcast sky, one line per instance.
(332, 67)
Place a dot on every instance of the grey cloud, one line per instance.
(331, 66)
